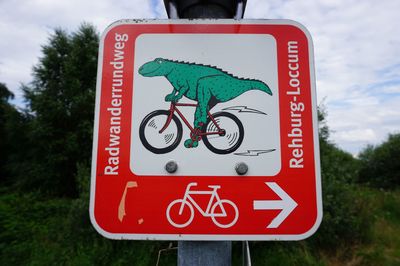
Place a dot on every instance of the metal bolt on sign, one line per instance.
(171, 167)
(241, 168)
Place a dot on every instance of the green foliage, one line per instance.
(5, 110)
(283, 253)
(323, 129)
(380, 165)
(13, 128)
(5, 94)
(61, 99)
(385, 247)
(346, 218)
(28, 225)
(40, 231)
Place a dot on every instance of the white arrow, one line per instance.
(286, 204)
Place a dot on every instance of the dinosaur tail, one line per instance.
(259, 85)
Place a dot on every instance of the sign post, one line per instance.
(205, 253)
(208, 95)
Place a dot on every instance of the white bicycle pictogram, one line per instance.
(218, 209)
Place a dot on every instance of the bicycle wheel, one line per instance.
(224, 213)
(230, 140)
(181, 218)
(152, 139)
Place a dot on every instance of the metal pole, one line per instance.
(205, 8)
(200, 253)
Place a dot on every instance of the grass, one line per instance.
(383, 246)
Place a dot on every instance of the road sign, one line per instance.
(182, 107)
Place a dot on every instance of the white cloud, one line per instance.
(25, 26)
(363, 121)
(389, 89)
(357, 135)
(356, 49)
(357, 52)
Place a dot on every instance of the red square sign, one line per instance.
(206, 130)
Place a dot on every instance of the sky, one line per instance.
(356, 49)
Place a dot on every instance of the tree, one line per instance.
(380, 165)
(5, 109)
(13, 125)
(61, 100)
(345, 219)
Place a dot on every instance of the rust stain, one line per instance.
(121, 207)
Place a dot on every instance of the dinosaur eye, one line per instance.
(160, 61)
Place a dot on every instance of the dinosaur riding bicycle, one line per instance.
(208, 86)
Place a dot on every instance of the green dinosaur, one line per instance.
(207, 85)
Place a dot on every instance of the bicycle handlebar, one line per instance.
(193, 184)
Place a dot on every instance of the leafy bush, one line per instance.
(283, 253)
(346, 217)
(380, 165)
(41, 231)
(31, 227)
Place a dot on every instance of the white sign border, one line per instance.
(207, 237)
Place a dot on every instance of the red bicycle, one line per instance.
(161, 130)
